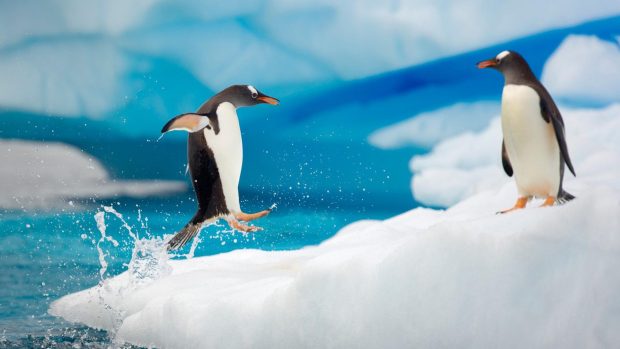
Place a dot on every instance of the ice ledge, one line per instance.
(537, 278)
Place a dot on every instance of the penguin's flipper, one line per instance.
(551, 113)
(506, 161)
(190, 122)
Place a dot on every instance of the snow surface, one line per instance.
(463, 277)
(44, 174)
(471, 163)
(584, 69)
(266, 43)
(428, 129)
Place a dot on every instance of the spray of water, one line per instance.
(195, 243)
(148, 257)
(101, 226)
(149, 262)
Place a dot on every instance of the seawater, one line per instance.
(44, 256)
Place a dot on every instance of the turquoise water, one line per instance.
(47, 255)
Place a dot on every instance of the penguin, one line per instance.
(215, 157)
(534, 143)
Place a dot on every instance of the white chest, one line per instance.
(227, 148)
(530, 142)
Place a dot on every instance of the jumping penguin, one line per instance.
(534, 145)
(215, 157)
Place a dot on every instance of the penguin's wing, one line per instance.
(190, 122)
(506, 161)
(551, 113)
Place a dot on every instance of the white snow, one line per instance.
(584, 69)
(267, 43)
(429, 128)
(471, 163)
(463, 277)
(43, 175)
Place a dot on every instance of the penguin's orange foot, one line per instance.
(235, 224)
(521, 202)
(549, 201)
(246, 217)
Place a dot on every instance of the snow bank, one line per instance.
(460, 167)
(42, 174)
(464, 277)
(428, 129)
(584, 69)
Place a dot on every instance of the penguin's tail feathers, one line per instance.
(564, 197)
(184, 235)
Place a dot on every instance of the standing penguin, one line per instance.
(534, 144)
(215, 156)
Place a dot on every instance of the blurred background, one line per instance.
(85, 88)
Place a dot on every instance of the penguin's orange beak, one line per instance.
(268, 100)
(486, 64)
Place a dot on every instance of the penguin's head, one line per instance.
(237, 95)
(245, 96)
(506, 62)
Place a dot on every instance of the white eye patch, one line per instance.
(502, 55)
(253, 90)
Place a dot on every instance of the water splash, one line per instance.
(101, 226)
(148, 257)
(110, 209)
(195, 243)
(149, 262)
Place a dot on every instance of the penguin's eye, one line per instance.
(254, 95)
(497, 60)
